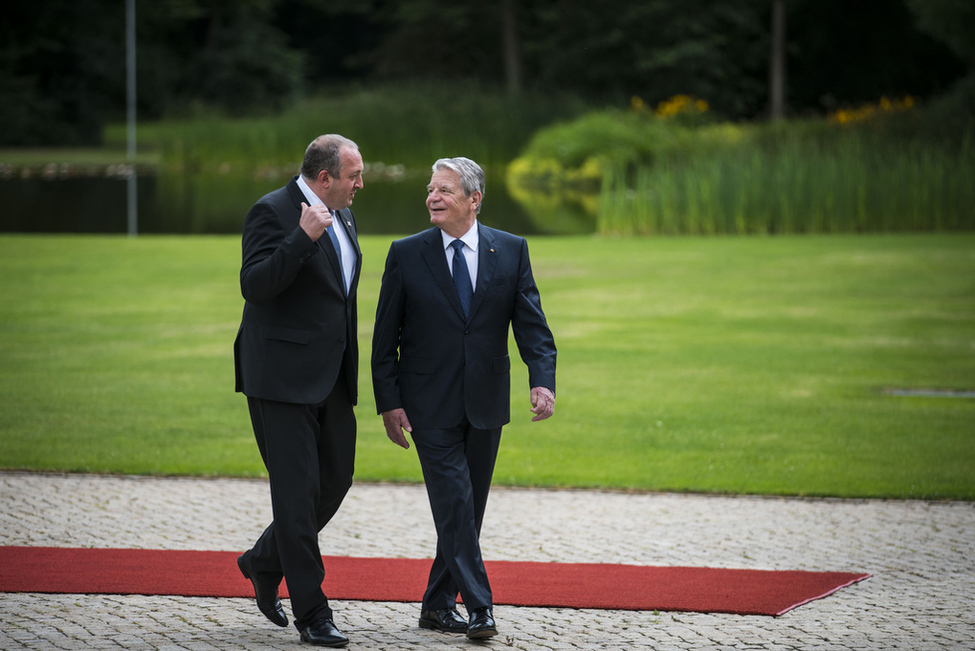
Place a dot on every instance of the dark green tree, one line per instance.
(225, 53)
(843, 53)
(716, 51)
(62, 64)
(61, 67)
(607, 51)
(950, 21)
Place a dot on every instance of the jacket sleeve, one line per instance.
(536, 345)
(386, 336)
(272, 256)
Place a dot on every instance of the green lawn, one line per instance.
(740, 365)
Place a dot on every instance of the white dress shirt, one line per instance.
(470, 240)
(347, 251)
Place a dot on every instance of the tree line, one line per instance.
(62, 62)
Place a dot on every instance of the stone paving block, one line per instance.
(922, 556)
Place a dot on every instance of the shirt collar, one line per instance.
(470, 238)
(313, 199)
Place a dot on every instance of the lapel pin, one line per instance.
(492, 250)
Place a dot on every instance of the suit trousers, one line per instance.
(457, 465)
(309, 453)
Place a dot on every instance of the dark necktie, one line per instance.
(338, 249)
(462, 278)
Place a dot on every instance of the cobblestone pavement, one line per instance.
(922, 556)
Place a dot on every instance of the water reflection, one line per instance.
(217, 203)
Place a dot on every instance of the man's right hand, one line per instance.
(396, 421)
(314, 220)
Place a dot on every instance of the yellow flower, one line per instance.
(680, 104)
(869, 111)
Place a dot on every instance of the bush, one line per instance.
(880, 167)
(581, 152)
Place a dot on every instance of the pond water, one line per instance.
(218, 205)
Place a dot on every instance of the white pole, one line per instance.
(130, 100)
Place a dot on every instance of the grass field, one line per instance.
(740, 365)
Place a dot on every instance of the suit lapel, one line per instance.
(487, 262)
(347, 220)
(436, 259)
(348, 223)
(325, 242)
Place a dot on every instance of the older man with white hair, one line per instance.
(441, 372)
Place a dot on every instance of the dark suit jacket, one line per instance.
(447, 368)
(298, 330)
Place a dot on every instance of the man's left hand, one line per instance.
(395, 421)
(543, 403)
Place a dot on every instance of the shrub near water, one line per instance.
(872, 169)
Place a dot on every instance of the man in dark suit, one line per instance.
(441, 371)
(297, 360)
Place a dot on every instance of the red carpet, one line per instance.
(572, 585)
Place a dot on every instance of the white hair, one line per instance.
(470, 173)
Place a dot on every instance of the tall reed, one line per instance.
(847, 182)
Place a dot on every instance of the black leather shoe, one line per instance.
(446, 620)
(266, 593)
(322, 632)
(481, 625)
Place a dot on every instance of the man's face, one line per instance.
(450, 209)
(341, 190)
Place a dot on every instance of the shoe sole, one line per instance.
(434, 626)
(333, 645)
(480, 635)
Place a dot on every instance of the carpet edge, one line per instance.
(858, 579)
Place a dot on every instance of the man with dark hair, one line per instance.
(297, 358)
(441, 371)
